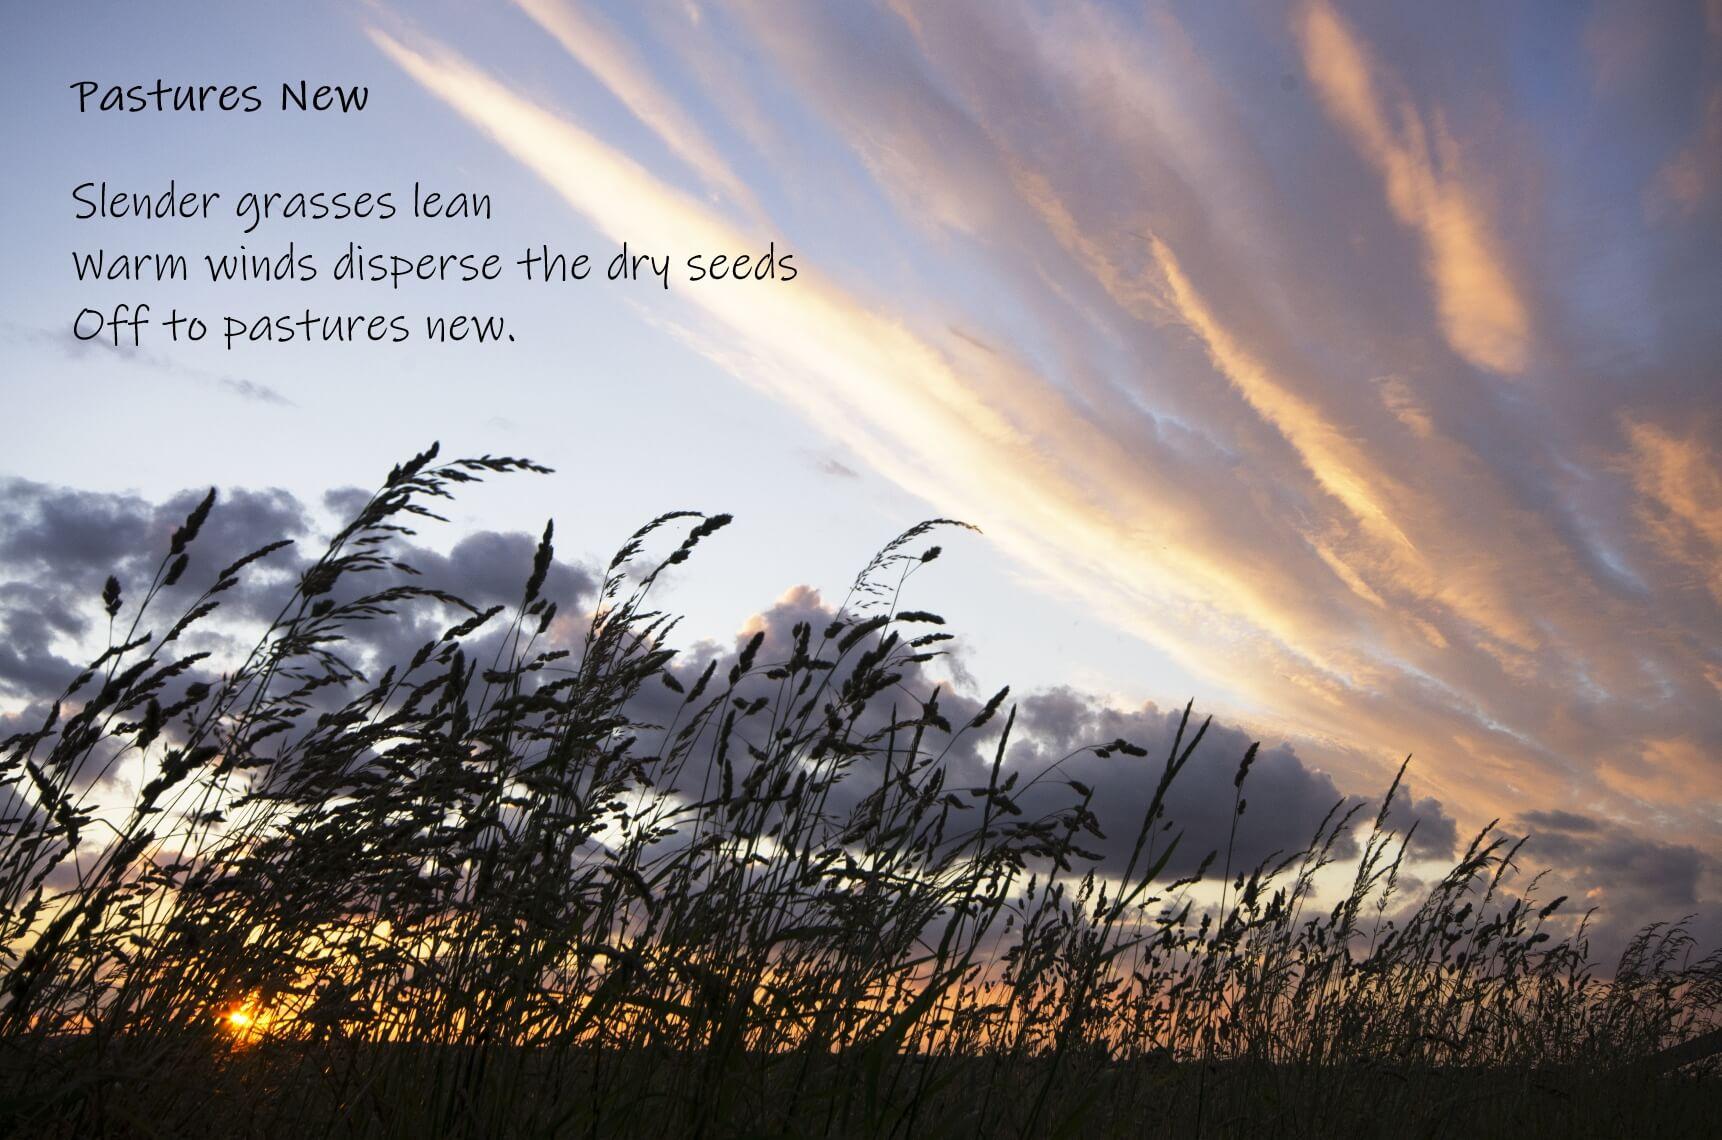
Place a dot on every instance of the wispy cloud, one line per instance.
(1679, 484)
(1223, 387)
(67, 344)
(1423, 169)
(612, 60)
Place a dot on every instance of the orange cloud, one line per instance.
(1312, 550)
(1481, 312)
(1670, 769)
(1679, 483)
(1689, 179)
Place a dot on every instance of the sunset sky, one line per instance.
(1354, 369)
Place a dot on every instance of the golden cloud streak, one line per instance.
(1484, 319)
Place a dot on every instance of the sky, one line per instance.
(1350, 368)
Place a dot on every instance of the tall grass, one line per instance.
(484, 891)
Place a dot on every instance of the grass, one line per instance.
(507, 886)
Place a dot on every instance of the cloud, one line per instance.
(1669, 768)
(1285, 799)
(62, 543)
(836, 468)
(58, 546)
(252, 390)
(1331, 458)
(612, 60)
(1194, 366)
(70, 346)
(1689, 179)
(1631, 880)
(1055, 732)
(1421, 164)
(1679, 483)
(954, 421)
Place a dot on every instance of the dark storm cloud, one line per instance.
(1632, 880)
(1560, 821)
(1286, 799)
(59, 545)
(1436, 834)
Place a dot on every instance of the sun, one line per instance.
(244, 1024)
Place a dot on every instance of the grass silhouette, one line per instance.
(482, 891)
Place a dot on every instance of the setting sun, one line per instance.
(244, 1024)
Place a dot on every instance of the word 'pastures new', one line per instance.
(162, 96)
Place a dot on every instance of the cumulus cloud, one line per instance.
(59, 545)
(1058, 737)
(1631, 880)
(1285, 799)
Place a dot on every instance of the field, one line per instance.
(295, 874)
